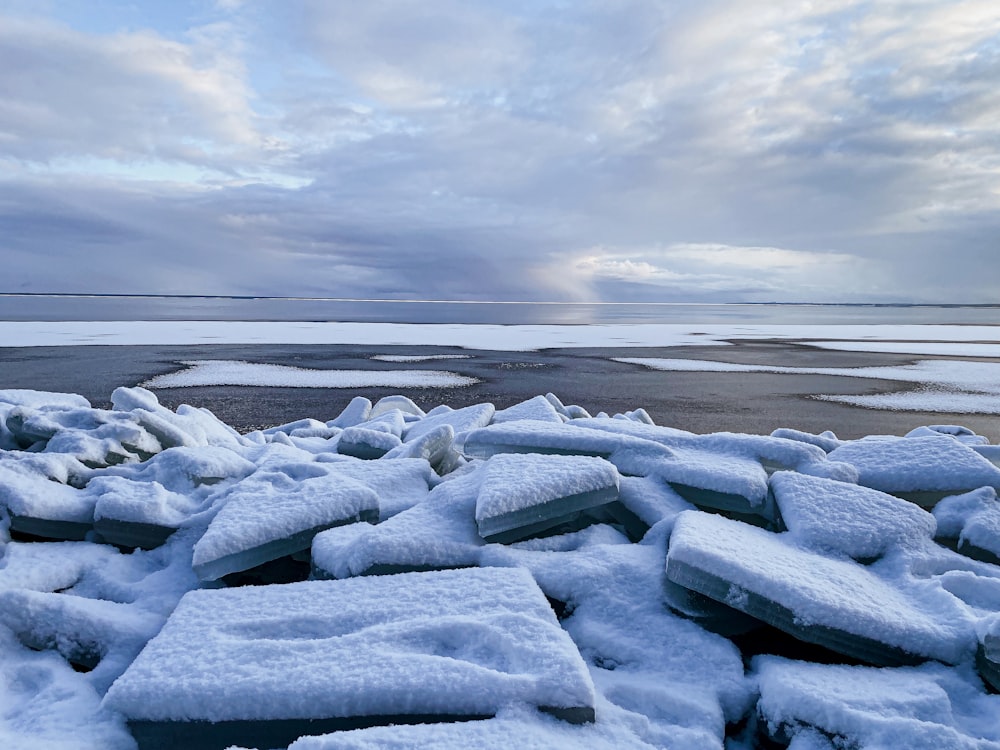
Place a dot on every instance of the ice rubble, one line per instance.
(706, 585)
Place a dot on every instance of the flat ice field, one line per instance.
(532, 576)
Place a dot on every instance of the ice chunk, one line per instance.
(856, 521)
(925, 708)
(460, 420)
(838, 604)
(356, 412)
(374, 438)
(271, 515)
(825, 440)
(920, 469)
(525, 494)
(39, 399)
(188, 426)
(330, 655)
(41, 507)
(438, 533)
(980, 537)
(538, 409)
(988, 655)
(402, 403)
(961, 434)
(433, 446)
(137, 514)
(399, 484)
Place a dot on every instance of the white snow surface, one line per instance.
(468, 336)
(657, 680)
(233, 372)
(928, 707)
(447, 642)
(953, 386)
(825, 591)
(517, 481)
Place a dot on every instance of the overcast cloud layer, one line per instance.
(674, 150)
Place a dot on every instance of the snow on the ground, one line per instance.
(231, 372)
(416, 357)
(427, 617)
(512, 338)
(952, 386)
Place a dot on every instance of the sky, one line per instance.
(557, 150)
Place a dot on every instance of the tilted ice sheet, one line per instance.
(914, 464)
(929, 707)
(271, 506)
(439, 532)
(823, 591)
(838, 517)
(518, 481)
(450, 642)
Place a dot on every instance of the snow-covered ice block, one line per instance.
(980, 537)
(356, 412)
(187, 426)
(399, 484)
(388, 403)
(264, 665)
(432, 446)
(959, 433)
(41, 507)
(460, 420)
(523, 495)
(271, 515)
(719, 481)
(538, 409)
(988, 655)
(630, 455)
(374, 438)
(929, 707)
(439, 532)
(919, 469)
(836, 603)
(825, 440)
(856, 521)
(137, 514)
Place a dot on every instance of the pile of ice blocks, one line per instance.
(474, 577)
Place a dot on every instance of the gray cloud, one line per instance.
(637, 150)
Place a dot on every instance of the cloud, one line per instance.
(834, 150)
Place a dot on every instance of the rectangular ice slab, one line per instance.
(323, 655)
(525, 494)
(270, 515)
(836, 603)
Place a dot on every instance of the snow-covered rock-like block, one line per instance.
(374, 438)
(920, 469)
(988, 655)
(630, 455)
(719, 481)
(272, 515)
(400, 484)
(460, 420)
(137, 514)
(41, 507)
(927, 707)
(356, 412)
(835, 603)
(523, 495)
(439, 532)
(856, 521)
(432, 446)
(828, 441)
(264, 665)
(538, 409)
(404, 404)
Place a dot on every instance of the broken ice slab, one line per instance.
(433, 446)
(460, 420)
(720, 482)
(264, 665)
(271, 514)
(922, 470)
(399, 484)
(859, 522)
(42, 508)
(538, 409)
(523, 495)
(988, 654)
(356, 412)
(929, 706)
(835, 603)
(439, 532)
(980, 538)
(374, 438)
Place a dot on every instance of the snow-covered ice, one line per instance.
(658, 640)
